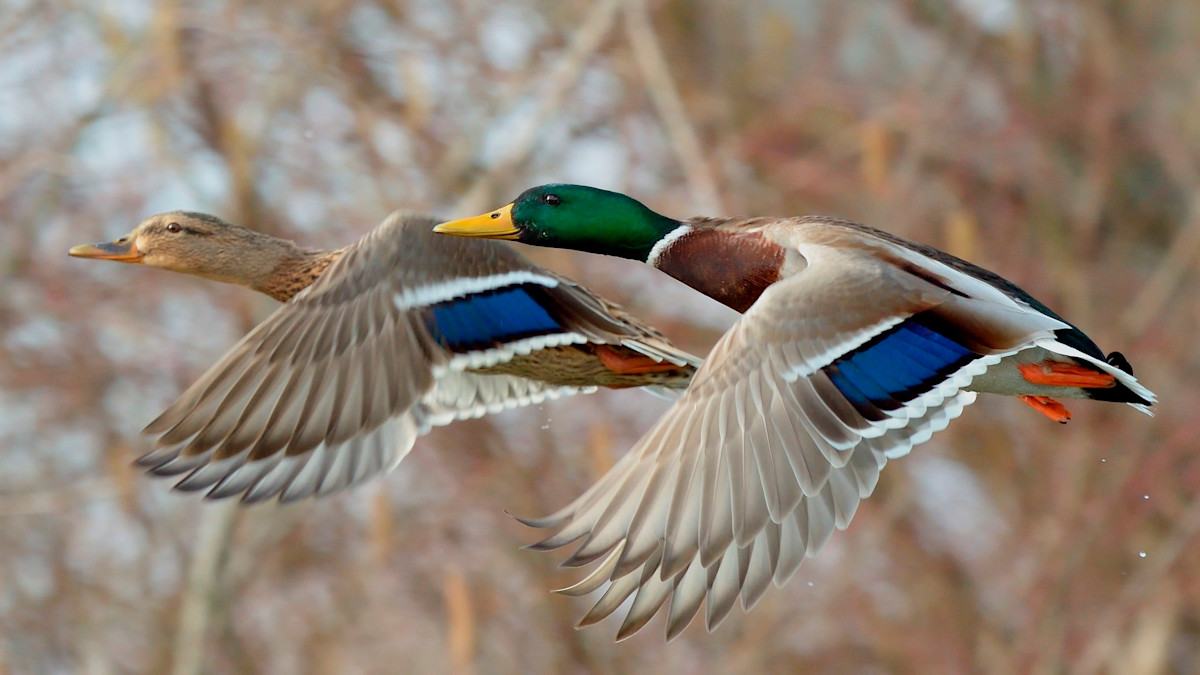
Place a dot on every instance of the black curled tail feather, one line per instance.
(1118, 393)
(1118, 360)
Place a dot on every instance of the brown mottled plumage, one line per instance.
(206, 246)
(377, 342)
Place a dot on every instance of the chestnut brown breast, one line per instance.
(733, 268)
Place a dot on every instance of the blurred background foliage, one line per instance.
(1055, 141)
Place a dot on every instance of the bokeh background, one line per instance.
(1055, 141)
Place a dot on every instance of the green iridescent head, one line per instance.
(573, 217)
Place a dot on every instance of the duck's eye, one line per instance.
(174, 227)
(552, 200)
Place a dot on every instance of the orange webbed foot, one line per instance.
(631, 365)
(1048, 407)
(1060, 374)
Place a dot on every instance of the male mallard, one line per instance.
(376, 343)
(855, 345)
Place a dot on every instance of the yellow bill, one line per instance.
(495, 225)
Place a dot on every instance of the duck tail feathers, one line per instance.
(1128, 389)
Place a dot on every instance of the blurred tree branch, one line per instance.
(564, 75)
(660, 85)
(200, 593)
(1180, 261)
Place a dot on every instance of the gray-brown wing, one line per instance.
(781, 434)
(337, 384)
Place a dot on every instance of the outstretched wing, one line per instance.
(401, 333)
(783, 431)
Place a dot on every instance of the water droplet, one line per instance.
(545, 427)
(1141, 554)
(1145, 496)
(810, 584)
(1103, 460)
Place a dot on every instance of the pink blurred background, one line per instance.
(1054, 141)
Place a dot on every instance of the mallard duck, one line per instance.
(376, 343)
(854, 346)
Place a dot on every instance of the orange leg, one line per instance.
(1060, 374)
(1048, 407)
(631, 365)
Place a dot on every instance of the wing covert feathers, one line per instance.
(406, 330)
(786, 426)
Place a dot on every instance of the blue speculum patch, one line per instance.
(486, 319)
(897, 366)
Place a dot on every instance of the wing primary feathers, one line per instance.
(336, 385)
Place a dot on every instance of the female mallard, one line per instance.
(376, 343)
(855, 346)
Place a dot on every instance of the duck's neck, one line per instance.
(295, 270)
(729, 266)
